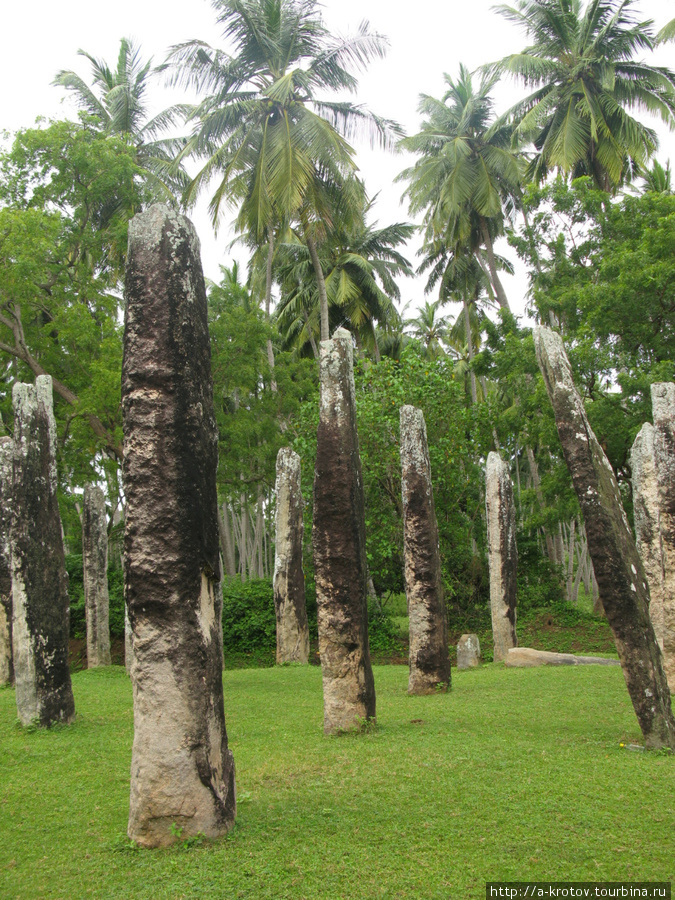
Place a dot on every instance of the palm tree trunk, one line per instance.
(492, 265)
(469, 345)
(321, 284)
(268, 300)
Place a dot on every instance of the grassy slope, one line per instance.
(517, 774)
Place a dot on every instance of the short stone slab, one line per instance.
(468, 652)
(525, 657)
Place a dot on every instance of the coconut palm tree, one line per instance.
(466, 176)
(277, 148)
(581, 64)
(430, 328)
(361, 263)
(116, 98)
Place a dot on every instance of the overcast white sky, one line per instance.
(427, 38)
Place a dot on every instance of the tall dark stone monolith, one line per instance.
(663, 410)
(182, 773)
(289, 578)
(6, 666)
(339, 543)
(95, 571)
(648, 523)
(41, 608)
(428, 657)
(502, 554)
(616, 561)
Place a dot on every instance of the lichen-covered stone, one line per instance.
(663, 409)
(6, 666)
(647, 524)
(468, 652)
(502, 554)
(41, 607)
(338, 539)
(289, 578)
(428, 657)
(95, 572)
(182, 772)
(616, 561)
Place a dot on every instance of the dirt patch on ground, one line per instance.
(77, 653)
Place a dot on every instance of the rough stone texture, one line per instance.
(41, 608)
(428, 657)
(95, 571)
(663, 409)
(339, 545)
(128, 641)
(289, 578)
(182, 773)
(6, 666)
(616, 561)
(502, 554)
(526, 657)
(468, 652)
(647, 524)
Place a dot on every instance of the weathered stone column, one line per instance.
(339, 544)
(502, 554)
(428, 659)
(41, 608)
(95, 568)
(6, 666)
(647, 523)
(289, 578)
(663, 409)
(128, 641)
(618, 568)
(182, 773)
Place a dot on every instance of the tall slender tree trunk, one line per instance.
(536, 483)
(492, 265)
(268, 300)
(226, 544)
(469, 345)
(321, 284)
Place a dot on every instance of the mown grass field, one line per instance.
(516, 774)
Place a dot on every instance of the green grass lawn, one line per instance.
(514, 775)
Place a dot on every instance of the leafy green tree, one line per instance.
(276, 146)
(253, 421)
(67, 193)
(116, 100)
(581, 64)
(466, 174)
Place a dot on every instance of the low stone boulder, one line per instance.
(526, 657)
(468, 652)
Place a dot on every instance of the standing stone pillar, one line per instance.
(618, 568)
(502, 554)
(128, 641)
(647, 524)
(289, 578)
(182, 773)
(41, 608)
(429, 660)
(663, 409)
(95, 570)
(339, 544)
(6, 666)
